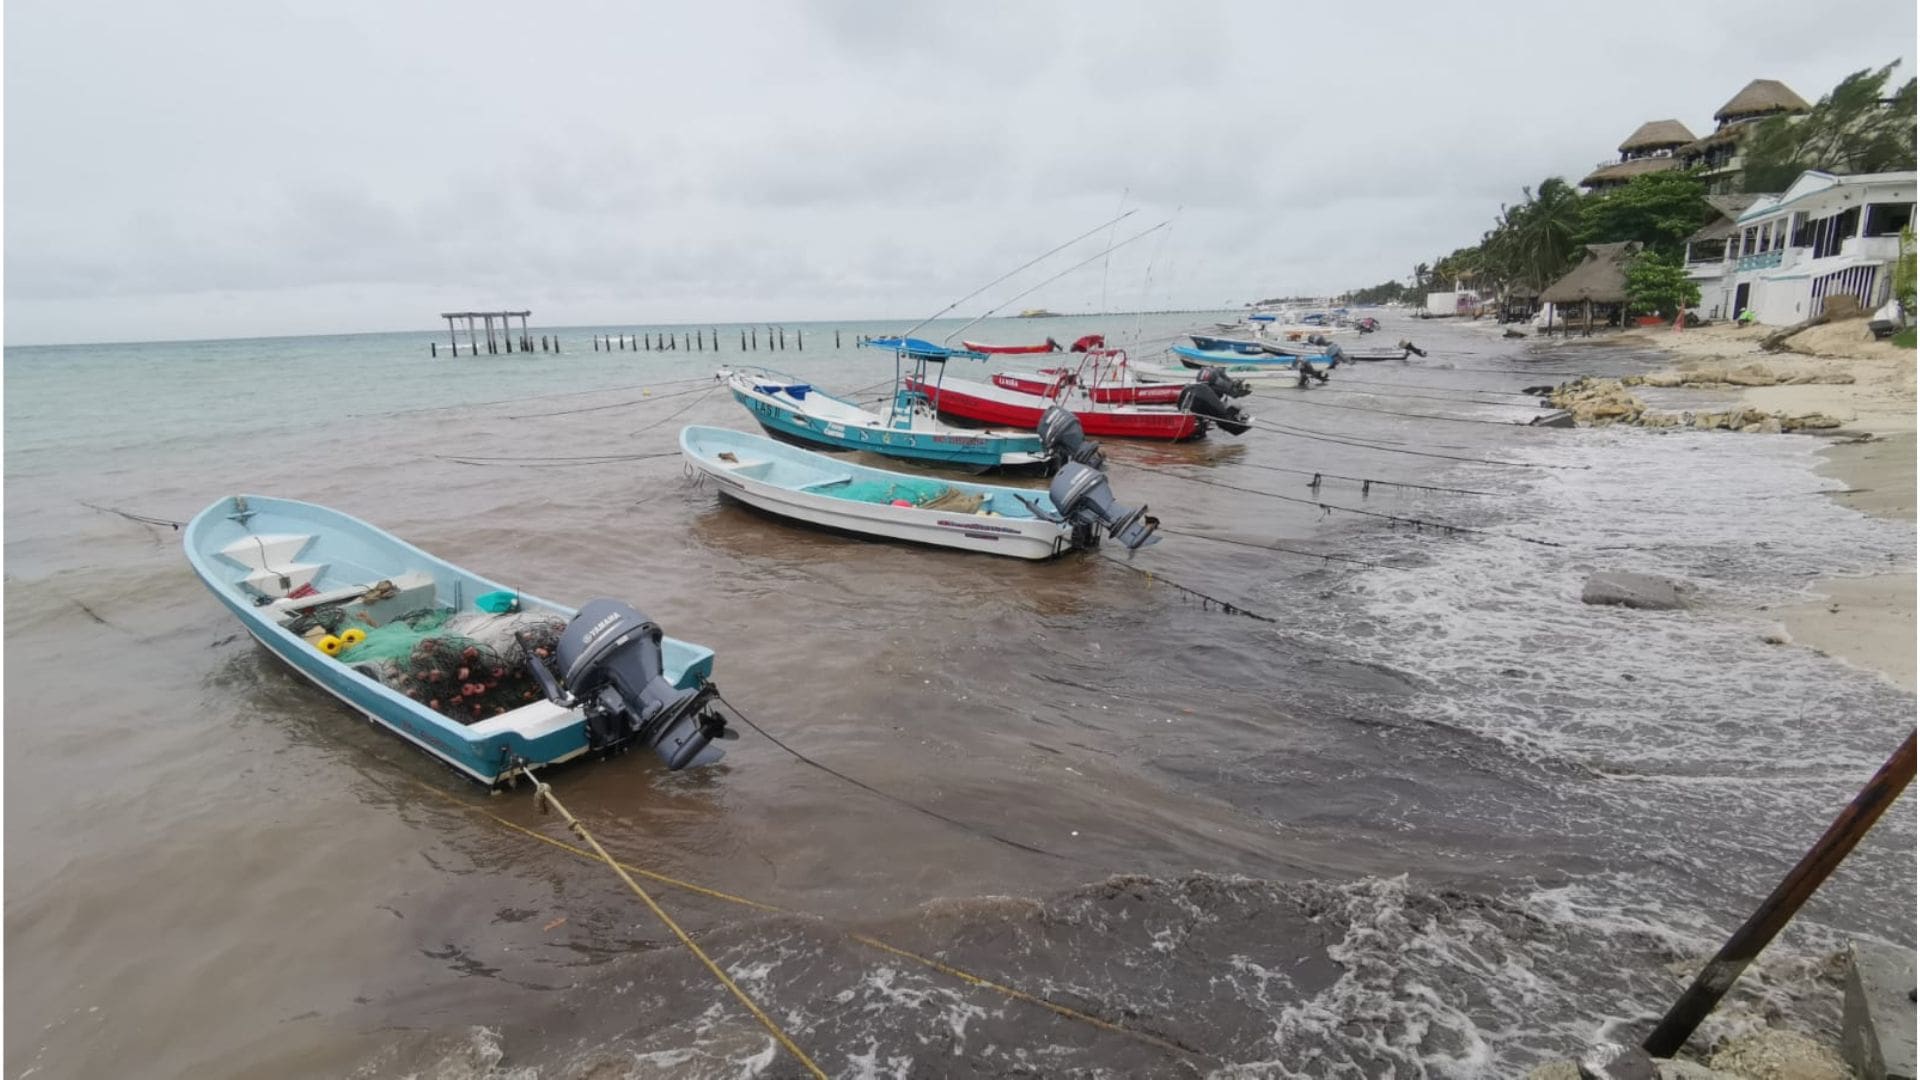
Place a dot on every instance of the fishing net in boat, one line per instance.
(467, 666)
(928, 494)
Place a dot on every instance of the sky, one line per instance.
(233, 168)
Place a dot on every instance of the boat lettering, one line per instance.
(974, 528)
(597, 629)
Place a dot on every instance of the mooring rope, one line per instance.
(870, 789)
(554, 463)
(141, 518)
(1367, 483)
(1206, 601)
(1321, 436)
(616, 404)
(1323, 556)
(1327, 508)
(946, 969)
(544, 797)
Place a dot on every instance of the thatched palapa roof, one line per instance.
(1729, 207)
(1627, 170)
(1657, 135)
(1762, 96)
(1601, 278)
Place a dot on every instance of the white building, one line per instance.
(1785, 254)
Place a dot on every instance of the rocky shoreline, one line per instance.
(1836, 382)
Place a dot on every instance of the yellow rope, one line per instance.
(872, 942)
(543, 792)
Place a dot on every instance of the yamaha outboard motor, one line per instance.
(1203, 399)
(610, 667)
(1335, 354)
(1081, 496)
(1064, 440)
(1223, 384)
(1412, 348)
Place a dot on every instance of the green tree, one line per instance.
(1657, 286)
(1658, 209)
(1856, 128)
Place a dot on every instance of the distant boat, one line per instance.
(317, 587)
(1048, 346)
(832, 493)
(1315, 350)
(1205, 358)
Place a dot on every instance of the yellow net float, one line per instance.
(330, 645)
(352, 636)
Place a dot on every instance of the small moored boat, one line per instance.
(1198, 359)
(1073, 513)
(1047, 346)
(484, 678)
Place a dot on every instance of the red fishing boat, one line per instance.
(1100, 393)
(1057, 383)
(1103, 377)
(1049, 346)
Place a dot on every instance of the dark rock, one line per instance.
(1643, 591)
(1558, 418)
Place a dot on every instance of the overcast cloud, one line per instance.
(215, 169)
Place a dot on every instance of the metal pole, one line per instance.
(1773, 913)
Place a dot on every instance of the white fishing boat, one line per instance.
(832, 493)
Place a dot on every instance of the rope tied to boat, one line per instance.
(543, 798)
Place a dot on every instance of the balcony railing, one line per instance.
(1765, 260)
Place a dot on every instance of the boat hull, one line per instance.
(745, 480)
(485, 750)
(995, 405)
(1011, 350)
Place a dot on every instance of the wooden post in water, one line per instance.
(756, 339)
(799, 340)
(596, 343)
(743, 341)
(452, 337)
(836, 339)
(1773, 913)
(434, 348)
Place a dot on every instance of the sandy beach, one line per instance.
(1865, 621)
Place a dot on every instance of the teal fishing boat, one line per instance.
(484, 678)
(798, 411)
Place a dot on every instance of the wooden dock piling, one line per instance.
(503, 341)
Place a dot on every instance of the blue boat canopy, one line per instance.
(921, 349)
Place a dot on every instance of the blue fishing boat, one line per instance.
(797, 410)
(1205, 358)
(482, 677)
(1217, 344)
(832, 493)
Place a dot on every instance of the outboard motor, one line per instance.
(1335, 355)
(1082, 497)
(610, 666)
(1064, 440)
(1223, 384)
(1414, 349)
(1203, 399)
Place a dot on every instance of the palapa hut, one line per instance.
(1717, 156)
(1649, 149)
(1597, 286)
(1519, 303)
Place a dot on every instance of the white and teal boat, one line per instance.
(832, 493)
(484, 678)
(796, 410)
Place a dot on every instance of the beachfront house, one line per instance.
(1593, 292)
(1651, 148)
(1708, 250)
(1716, 158)
(1785, 254)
